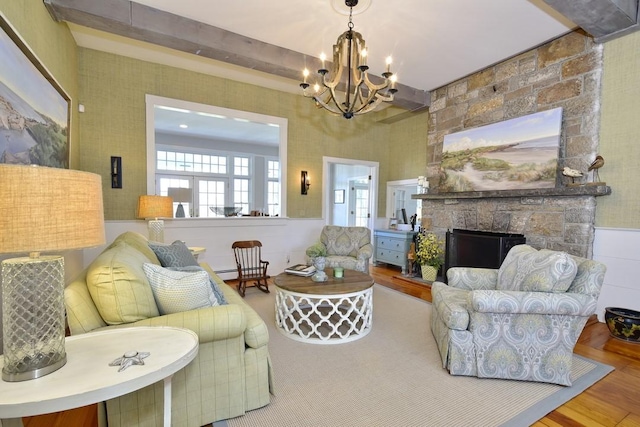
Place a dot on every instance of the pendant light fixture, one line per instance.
(360, 94)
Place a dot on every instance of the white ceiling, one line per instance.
(432, 42)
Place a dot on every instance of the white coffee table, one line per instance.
(87, 377)
(337, 311)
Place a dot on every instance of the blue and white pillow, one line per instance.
(176, 254)
(178, 291)
(214, 286)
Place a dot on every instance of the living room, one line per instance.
(112, 90)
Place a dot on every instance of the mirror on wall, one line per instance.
(232, 162)
(399, 198)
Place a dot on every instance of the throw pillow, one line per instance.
(529, 270)
(178, 291)
(119, 287)
(214, 286)
(176, 254)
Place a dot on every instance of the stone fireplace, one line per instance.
(563, 73)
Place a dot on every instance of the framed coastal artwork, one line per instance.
(34, 109)
(520, 153)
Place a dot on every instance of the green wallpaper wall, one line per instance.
(620, 133)
(53, 44)
(113, 90)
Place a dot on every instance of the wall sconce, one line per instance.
(116, 172)
(304, 183)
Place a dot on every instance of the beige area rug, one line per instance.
(393, 377)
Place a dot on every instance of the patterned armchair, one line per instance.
(520, 322)
(347, 247)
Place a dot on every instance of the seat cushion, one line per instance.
(179, 291)
(118, 286)
(529, 270)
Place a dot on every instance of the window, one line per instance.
(273, 187)
(222, 170)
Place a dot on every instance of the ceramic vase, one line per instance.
(429, 273)
(320, 262)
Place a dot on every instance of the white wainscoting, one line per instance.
(282, 239)
(619, 249)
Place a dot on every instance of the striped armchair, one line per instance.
(520, 322)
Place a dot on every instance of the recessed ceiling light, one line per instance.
(215, 116)
(179, 110)
(241, 120)
(184, 126)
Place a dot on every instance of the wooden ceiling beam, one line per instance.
(603, 19)
(144, 23)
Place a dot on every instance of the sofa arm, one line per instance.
(256, 333)
(472, 279)
(365, 252)
(515, 302)
(210, 324)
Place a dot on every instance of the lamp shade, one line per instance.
(49, 209)
(155, 207)
(180, 195)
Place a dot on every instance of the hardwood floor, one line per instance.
(613, 401)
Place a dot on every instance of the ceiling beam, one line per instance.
(603, 19)
(140, 22)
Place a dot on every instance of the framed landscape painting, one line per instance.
(520, 153)
(34, 110)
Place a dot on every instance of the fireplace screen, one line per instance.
(470, 248)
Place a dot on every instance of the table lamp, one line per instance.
(155, 207)
(42, 209)
(180, 195)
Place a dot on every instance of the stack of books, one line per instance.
(301, 270)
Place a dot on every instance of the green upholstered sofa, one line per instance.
(231, 373)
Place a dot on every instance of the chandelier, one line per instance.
(360, 95)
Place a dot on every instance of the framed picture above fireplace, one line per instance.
(520, 153)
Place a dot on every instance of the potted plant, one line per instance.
(429, 254)
(318, 253)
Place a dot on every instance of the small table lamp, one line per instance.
(41, 209)
(180, 195)
(155, 207)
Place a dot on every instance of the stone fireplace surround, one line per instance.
(560, 219)
(566, 73)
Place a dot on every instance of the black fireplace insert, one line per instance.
(471, 248)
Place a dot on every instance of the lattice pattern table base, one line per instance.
(324, 319)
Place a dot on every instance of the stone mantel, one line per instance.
(569, 191)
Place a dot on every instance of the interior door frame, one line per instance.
(327, 191)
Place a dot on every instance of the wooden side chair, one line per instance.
(250, 265)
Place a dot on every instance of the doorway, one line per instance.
(351, 196)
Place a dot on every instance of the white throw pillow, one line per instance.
(178, 291)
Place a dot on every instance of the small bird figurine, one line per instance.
(595, 167)
(571, 173)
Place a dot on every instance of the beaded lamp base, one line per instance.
(156, 230)
(33, 319)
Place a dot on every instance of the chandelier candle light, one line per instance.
(42, 209)
(360, 95)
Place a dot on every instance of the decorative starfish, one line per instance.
(128, 359)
